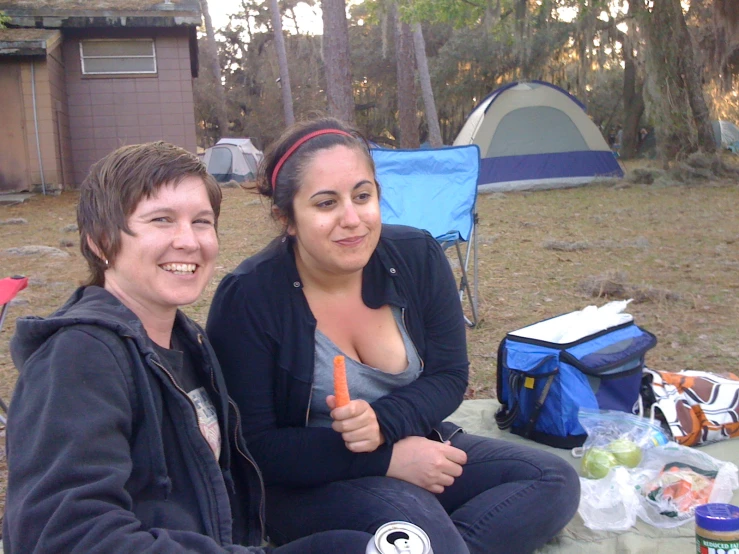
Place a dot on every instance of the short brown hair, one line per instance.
(115, 186)
(291, 173)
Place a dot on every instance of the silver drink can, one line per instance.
(399, 537)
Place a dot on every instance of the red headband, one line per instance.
(298, 144)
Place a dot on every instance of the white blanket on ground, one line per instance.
(477, 417)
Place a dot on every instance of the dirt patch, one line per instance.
(541, 254)
(616, 286)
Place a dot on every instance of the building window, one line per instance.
(118, 57)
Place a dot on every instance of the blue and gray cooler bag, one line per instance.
(541, 385)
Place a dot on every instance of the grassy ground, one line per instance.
(674, 248)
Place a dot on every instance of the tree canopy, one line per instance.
(598, 50)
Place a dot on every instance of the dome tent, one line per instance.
(535, 135)
(726, 134)
(233, 159)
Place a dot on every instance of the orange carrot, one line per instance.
(341, 388)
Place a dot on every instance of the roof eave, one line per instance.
(22, 48)
(105, 19)
(30, 46)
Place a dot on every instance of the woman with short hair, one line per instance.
(121, 437)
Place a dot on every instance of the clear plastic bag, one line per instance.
(609, 504)
(663, 490)
(609, 498)
(673, 480)
(615, 439)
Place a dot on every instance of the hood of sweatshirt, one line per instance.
(87, 306)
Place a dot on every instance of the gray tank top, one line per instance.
(365, 382)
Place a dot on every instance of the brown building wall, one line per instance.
(105, 113)
(14, 165)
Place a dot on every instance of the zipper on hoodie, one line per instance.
(434, 430)
(254, 465)
(231, 403)
(405, 326)
(213, 502)
(310, 399)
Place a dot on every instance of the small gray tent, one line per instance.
(726, 134)
(233, 159)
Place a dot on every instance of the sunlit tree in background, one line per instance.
(611, 54)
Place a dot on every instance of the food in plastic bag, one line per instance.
(630, 470)
(680, 487)
(626, 451)
(615, 439)
(673, 480)
(597, 462)
(663, 491)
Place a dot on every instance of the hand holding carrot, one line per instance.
(354, 419)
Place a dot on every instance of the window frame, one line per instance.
(153, 56)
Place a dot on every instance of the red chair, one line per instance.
(9, 288)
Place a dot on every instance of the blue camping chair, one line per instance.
(435, 190)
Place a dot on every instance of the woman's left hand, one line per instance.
(357, 423)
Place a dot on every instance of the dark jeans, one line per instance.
(340, 542)
(509, 498)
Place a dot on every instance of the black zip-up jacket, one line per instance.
(263, 331)
(104, 449)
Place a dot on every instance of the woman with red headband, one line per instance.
(338, 282)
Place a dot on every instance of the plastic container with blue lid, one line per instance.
(717, 529)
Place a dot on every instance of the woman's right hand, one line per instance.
(429, 464)
(357, 423)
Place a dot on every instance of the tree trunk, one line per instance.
(545, 12)
(287, 95)
(294, 18)
(727, 80)
(633, 98)
(673, 94)
(696, 99)
(520, 46)
(432, 117)
(336, 60)
(211, 56)
(633, 107)
(726, 30)
(584, 41)
(407, 112)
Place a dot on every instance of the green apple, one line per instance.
(597, 462)
(626, 451)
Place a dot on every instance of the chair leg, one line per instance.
(464, 286)
(475, 265)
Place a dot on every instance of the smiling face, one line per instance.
(337, 213)
(170, 257)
